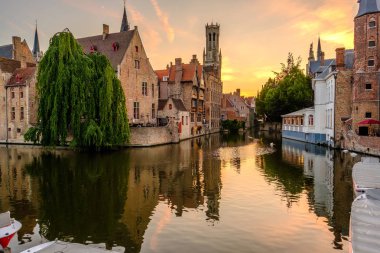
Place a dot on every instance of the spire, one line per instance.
(311, 52)
(36, 47)
(319, 52)
(124, 23)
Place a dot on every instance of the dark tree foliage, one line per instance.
(80, 97)
(289, 91)
(233, 125)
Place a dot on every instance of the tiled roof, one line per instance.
(314, 65)
(178, 103)
(6, 51)
(8, 65)
(368, 6)
(106, 48)
(188, 72)
(21, 76)
(161, 104)
(161, 73)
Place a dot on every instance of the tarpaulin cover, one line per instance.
(365, 223)
(366, 174)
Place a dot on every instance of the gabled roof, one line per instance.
(188, 72)
(161, 73)
(6, 51)
(21, 76)
(368, 7)
(105, 47)
(314, 65)
(8, 65)
(178, 104)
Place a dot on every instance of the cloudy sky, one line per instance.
(256, 35)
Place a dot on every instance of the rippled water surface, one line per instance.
(215, 194)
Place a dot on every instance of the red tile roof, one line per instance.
(188, 72)
(161, 73)
(8, 65)
(21, 76)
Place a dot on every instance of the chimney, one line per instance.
(340, 61)
(178, 64)
(323, 59)
(106, 31)
(16, 40)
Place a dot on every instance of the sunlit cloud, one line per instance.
(164, 19)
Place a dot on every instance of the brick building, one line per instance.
(212, 71)
(366, 90)
(21, 102)
(234, 107)
(185, 82)
(127, 56)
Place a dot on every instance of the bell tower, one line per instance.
(212, 57)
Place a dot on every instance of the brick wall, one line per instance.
(149, 136)
(343, 101)
(132, 79)
(21, 51)
(362, 144)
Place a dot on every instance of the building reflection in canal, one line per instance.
(122, 199)
(323, 174)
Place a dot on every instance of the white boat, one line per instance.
(365, 223)
(65, 247)
(8, 228)
(366, 175)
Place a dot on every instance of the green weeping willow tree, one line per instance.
(80, 98)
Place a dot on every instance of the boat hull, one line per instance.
(7, 233)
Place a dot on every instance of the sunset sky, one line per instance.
(256, 35)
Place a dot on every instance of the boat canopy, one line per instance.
(366, 174)
(365, 223)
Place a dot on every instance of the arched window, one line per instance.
(209, 36)
(372, 23)
(213, 37)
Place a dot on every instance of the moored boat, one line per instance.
(365, 223)
(366, 175)
(8, 228)
(65, 247)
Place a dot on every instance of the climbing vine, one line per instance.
(80, 98)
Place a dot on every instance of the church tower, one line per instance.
(212, 56)
(124, 23)
(37, 54)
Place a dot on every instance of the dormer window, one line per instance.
(115, 46)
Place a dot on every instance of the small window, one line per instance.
(136, 110)
(22, 113)
(371, 43)
(311, 120)
(368, 86)
(152, 90)
(18, 130)
(12, 94)
(13, 113)
(170, 106)
(144, 89)
(137, 64)
(153, 111)
(368, 115)
(371, 62)
(21, 94)
(372, 23)
(137, 49)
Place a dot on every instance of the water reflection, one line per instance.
(144, 200)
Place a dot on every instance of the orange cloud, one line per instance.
(164, 19)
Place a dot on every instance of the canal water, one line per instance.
(211, 194)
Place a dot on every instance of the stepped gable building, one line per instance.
(212, 71)
(315, 65)
(185, 82)
(126, 53)
(19, 51)
(366, 90)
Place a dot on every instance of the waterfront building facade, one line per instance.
(234, 107)
(126, 53)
